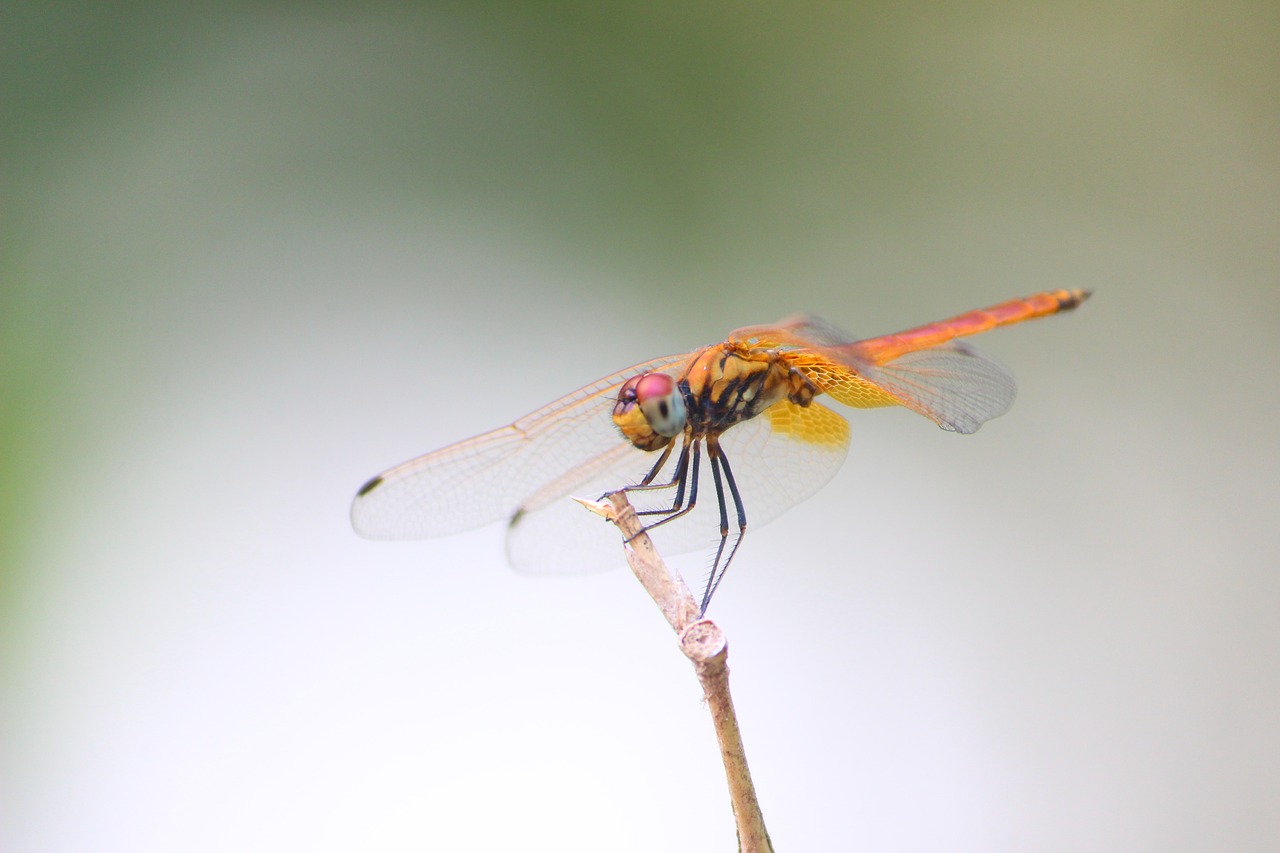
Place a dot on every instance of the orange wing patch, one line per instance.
(841, 383)
(812, 424)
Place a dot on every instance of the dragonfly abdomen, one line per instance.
(889, 347)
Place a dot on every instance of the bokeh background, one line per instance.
(251, 254)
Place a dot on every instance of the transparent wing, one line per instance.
(800, 330)
(954, 384)
(778, 459)
(552, 451)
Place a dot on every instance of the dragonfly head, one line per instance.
(650, 410)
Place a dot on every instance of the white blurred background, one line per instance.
(251, 255)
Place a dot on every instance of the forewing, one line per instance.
(551, 451)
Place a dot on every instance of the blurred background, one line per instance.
(251, 254)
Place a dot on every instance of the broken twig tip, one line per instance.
(604, 509)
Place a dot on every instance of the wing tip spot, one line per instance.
(369, 486)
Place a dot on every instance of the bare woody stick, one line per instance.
(704, 644)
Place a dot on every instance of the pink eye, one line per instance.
(661, 402)
(652, 386)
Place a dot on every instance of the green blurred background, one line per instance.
(251, 254)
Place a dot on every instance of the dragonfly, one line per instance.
(646, 430)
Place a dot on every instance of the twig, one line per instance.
(705, 645)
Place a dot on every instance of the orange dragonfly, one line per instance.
(750, 399)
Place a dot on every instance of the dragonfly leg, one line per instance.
(714, 452)
(657, 466)
(687, 470)
(677, 479)
(719, 461)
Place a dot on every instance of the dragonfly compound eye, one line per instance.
(662, 404)
(632, 420)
